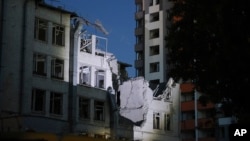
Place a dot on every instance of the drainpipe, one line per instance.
(22, 58)
(196, 116)
(74, 49)
(1, 39)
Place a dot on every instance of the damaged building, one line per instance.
(54, 77)
(154, 113)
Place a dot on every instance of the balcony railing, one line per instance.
(187, 87)
(190, 105)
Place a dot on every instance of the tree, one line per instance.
(209, 43)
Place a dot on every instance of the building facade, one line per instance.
(150, 32)
(198, 121)
(54, 79)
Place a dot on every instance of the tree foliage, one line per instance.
(209, 43)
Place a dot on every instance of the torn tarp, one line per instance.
(135, 97)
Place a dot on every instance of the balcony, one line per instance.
(188, 125)
(187, 106)
(138, 47)
(139, 63)
(206, 123)
(187, 87)
(208, 105)
(139, 15)
(139, 31)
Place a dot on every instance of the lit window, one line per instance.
(38, 100)
(39, 64)
(154, 17)
(154, 33)
(99, 110)
(58, 35)
(84, 105)
(156, 120)
(56, 103)
(57, 68)
(154, 50)
(41, 29)
(154, 67)
(100, 78)
(84, 75)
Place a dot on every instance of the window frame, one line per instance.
(36, 66)
(156, 120)
(154, 67)
(85, 75)
(58, 30)
(38, 98)
(54, 98)
(154, 50)
(38, 29)
(100, 73)
(84, 108)
(99, 106)
(54, 67)
(154, 33)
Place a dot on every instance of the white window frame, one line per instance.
(57, 68)
(85, 75)
(41, 26)
(58, 35)
(156, 120)
(39, 64)
(98, 83)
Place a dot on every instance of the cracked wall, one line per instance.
(135, 97)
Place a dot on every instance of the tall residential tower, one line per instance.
(150, 32)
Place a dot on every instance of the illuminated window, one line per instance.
(156, 120)
(154, 67)
(41, 29)
(99, 111)
(84, 75)
(39, 64)
(154, 33)
(154, 50)
(38, 100)
(56, 103)
(57, 68)
(58, 35)
(84, 106)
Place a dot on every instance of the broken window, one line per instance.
(56, 103)
(38, 100)
(84, 76)
(39, 64)
(99, 110)
(41, 29)
(154, 17)
(154, 50)
(100, 75)
(154, 67)
(57, 68)
(58, 35)
(156, 121)
(84, 108)
(167, 122)
(154, 33)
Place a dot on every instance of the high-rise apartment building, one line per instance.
(150, 32)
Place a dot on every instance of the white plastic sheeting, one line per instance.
(135, 97)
